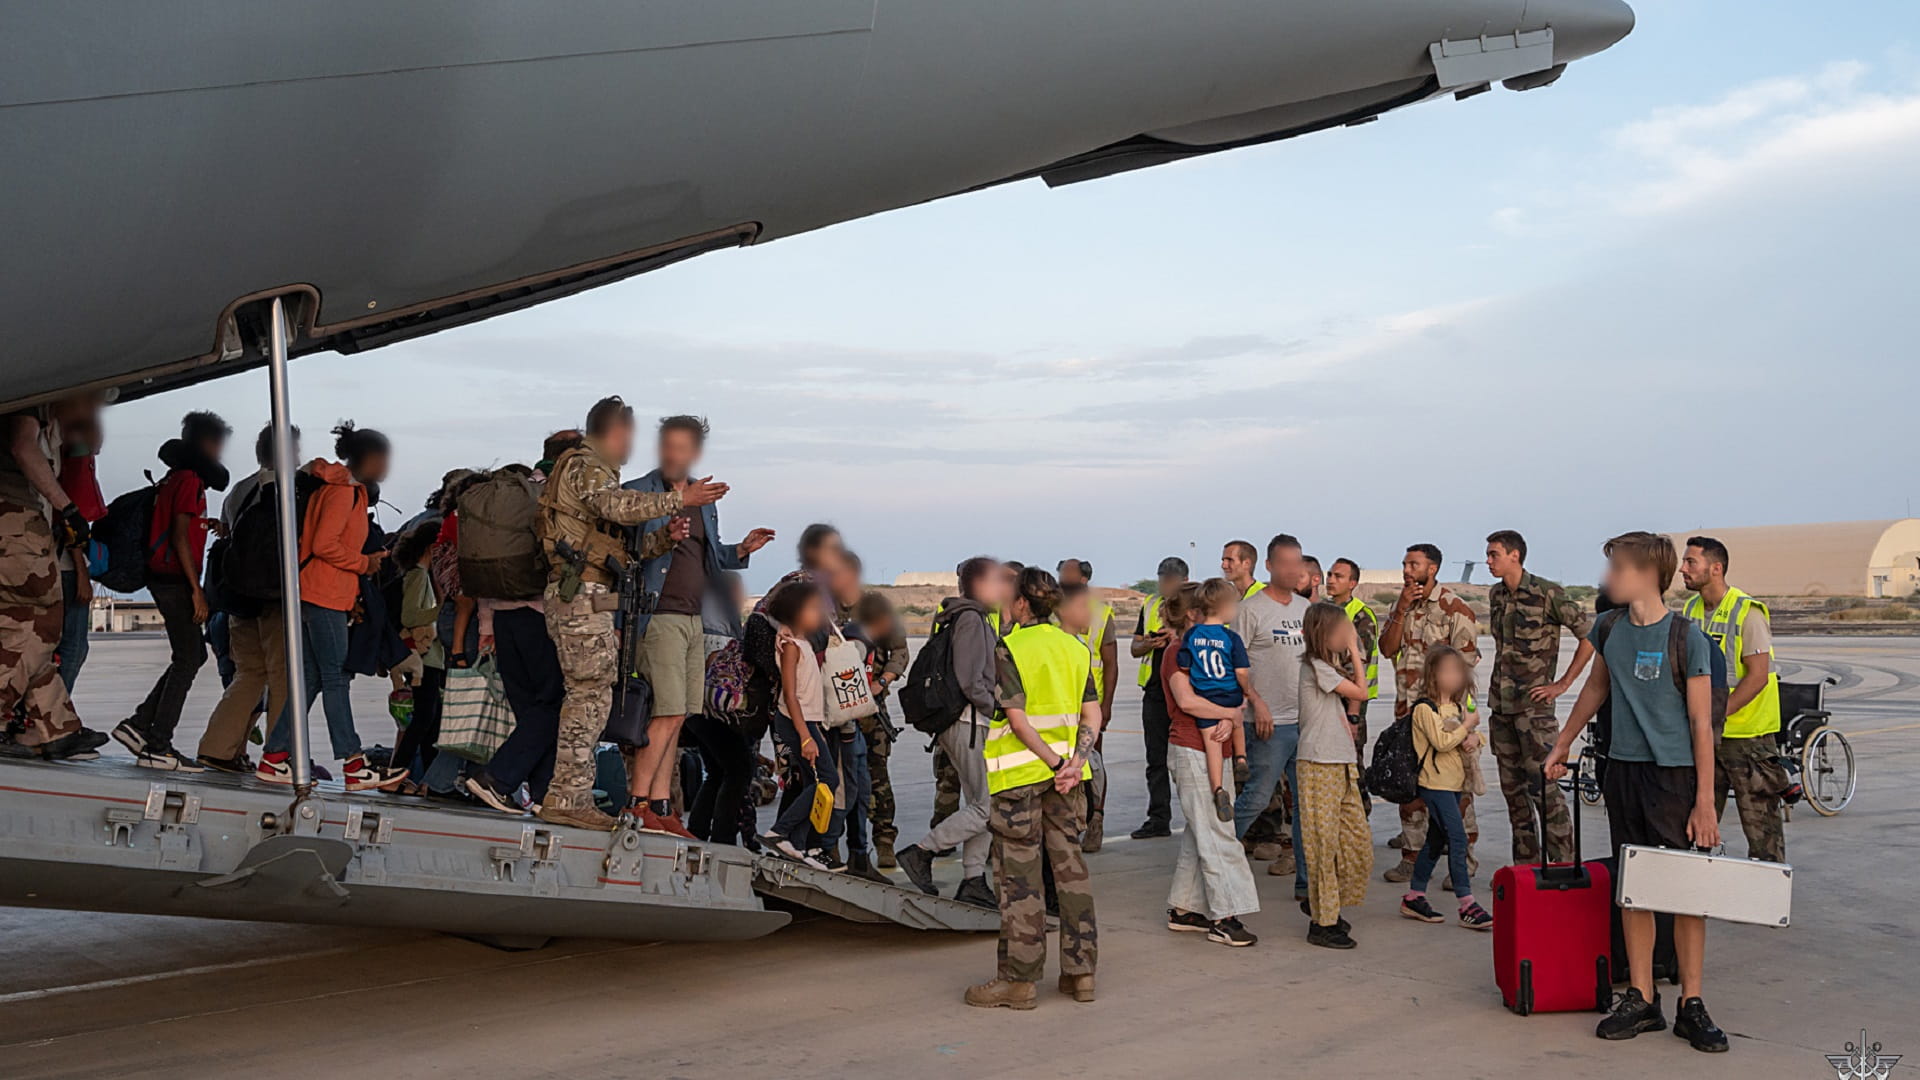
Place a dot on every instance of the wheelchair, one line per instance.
(1817, 757)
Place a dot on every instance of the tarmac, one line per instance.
(87, 995)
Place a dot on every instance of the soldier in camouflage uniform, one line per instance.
(37, 521)
(946, 789)
(584, 506)
(1426, 614)
(1527, 614)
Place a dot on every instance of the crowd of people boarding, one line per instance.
(614, 612)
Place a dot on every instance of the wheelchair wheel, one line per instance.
(1586, 780)
(1826, 771)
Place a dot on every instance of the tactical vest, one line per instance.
(1153, 624)
(1355, 608)
(1054, 669)
(564, 517)
(1761, 716)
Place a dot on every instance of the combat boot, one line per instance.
(1283, 865)
(580, 817)
(1077, 987)
(883, 854)
(1006, 994)
(1399, 874)
(860, 866)
(1096, 832)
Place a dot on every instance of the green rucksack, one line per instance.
(500, 554)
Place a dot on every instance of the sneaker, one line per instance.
(1096, 832)
(1416, 907)
(360, 776)
(917, 863)
(580, 817)
(1188, 922)
(674, 826)
(646, 820)
(130, 737)
(166, 759)
(1328, 937)
(1400, 874)
(1475, 917)
(978, 892)
(1001, 994)
(1631, 1015)
(274, 772)
(481, 787)
(827, 860)
(1222, 804)
(78, 745)
(11, 749)
(1230, 933)
(1152, 830)
(1694, 1025)
(242, 764)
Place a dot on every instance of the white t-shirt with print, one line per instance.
(1275, 641)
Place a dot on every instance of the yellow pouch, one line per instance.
(822, 814)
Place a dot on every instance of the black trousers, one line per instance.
(424, 729)
(530, 674)
(159, 714)
(728, 760)
(1157, 724)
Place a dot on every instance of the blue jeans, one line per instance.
(1446, 832)
(220, 639)
(1267, 761)
(325, 633)
(801, 778)
(850, 814)
(73, 631)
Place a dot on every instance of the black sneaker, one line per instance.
(828, 860)
(11, 749)
(481, 787)
(1632, 1014)
(917, 863)
(78, 745)
(1694, 1025)
(241, 764)
(1230, 933)
(166, 759)
(1475, 917)
(1416, 907)
(131, 737)
(1152, 830)
(978, 892)
(1188, 922)
(1328, 937)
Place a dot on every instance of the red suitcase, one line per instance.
(1552, 941)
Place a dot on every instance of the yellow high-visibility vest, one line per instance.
(1761, 716)
(1053, 668)
(1151, 620)
(1355, 608)
(1096, 633)
(1253, 588)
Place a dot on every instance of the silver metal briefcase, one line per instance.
(1698, 883)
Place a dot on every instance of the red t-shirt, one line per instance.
(77, 479)
(181, 492)
(1182, 731)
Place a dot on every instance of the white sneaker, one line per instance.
(130, 737)
(167, 759)
(274, 772)
(360, 776)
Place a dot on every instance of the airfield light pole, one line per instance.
(283, 470)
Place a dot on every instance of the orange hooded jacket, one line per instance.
(331, 538)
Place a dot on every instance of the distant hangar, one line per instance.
(1847, 558)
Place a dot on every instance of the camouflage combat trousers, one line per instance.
(1024, 821)
(946, 789)
(1520, 748)
(31, 618)
(589, 652)
(1274, 825)
(879, 735)
(1413, 826)
(1750, 768)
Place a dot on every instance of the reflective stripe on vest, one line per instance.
(1761, 716)
(1096, 633)
(1355, 606)
(1053, 668)
(1153, 624)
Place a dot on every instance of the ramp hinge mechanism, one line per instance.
(541, 845)
(368, 826)
(171, 808)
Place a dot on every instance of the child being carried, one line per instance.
(1215, 660)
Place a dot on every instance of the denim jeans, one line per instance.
(73, 631)
(1267, 761)
(801, 778)
(858, 790)
(1446, 832)
(1210, 875)
(220, 640)
(324, 631)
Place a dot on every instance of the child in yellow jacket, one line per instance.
(1446, 740)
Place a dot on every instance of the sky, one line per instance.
(1673, 290)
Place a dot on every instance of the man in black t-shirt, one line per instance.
(1149, 637)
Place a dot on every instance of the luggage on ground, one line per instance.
(500, 553)
(1666, 961)
(1552, 947)
(1701, 883)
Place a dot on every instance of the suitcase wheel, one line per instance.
(1602, 984)
(1523, 997)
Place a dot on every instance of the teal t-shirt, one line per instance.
(1649, 714)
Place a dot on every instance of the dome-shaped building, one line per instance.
(1848, 558)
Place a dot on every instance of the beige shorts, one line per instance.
(673, 657)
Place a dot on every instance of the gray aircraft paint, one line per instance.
(406, 165)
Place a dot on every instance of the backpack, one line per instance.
(250, 564)
(1394, 774)
(123, 533)
(931, 698)
(1677, 628)
(727, 675)
(500, 553)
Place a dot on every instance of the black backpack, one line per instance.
(123, 534)
(250, 563)
(1395, 772)
(931, 698)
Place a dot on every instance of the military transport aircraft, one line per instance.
(198, 187)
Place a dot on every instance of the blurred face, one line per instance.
(1626, 582)
(1501, 562)
(1417, 569)
(1340, 581)
(1311, 584)
(1076, 614)
(1070, 573)
(373, 468)
(1285, 568)
(1009, 586)
(1695, 570)
(824, 553)
(679, 453)
(1451, 678)
(1235, 565)
(617, 443)
(1170, 582)
(992, 589)
(843, 579)
(1227, 611)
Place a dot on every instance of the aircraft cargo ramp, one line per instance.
(106, 836)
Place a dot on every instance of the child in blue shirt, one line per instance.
(1214, 658)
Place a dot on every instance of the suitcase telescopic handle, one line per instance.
(1540, 815)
